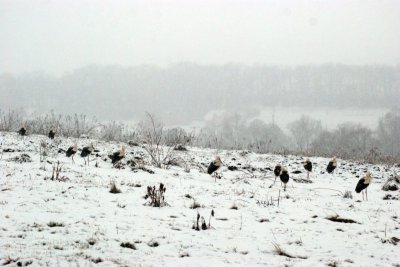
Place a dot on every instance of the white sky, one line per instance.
(59, 36)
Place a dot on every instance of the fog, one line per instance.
(185, 60)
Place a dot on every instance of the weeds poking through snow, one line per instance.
(201, 222)
(156, 196)
(128, 245)
(153, 244)
(55, 176)
(23, 158)
(114, 189)
(337, 218)
(234, 207)
(394, 240)
(279, 251)
(55, 224)
(347, 194)
(195, 204)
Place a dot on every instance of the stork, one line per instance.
(277, 171)
(86, 151)
(363, 183)
(284, 176)
(214, 166)
(308, 166)
(71, 151)
(331, 165)
(117, 156)
(22, 131)
(51, 134)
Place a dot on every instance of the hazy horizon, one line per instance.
(58, 37)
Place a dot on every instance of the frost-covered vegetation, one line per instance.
(305, 136)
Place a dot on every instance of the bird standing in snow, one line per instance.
(51, 134)
(117, 156)
(331, 165)
(308, 166)
(363, 183)
(284, 176)
(22, 131)
(86, 151)
(71, 151)
(277, 171)
(214, 166)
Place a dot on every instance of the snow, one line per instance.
(95, 222)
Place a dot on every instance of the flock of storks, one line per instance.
(279, 171)
(283, 174)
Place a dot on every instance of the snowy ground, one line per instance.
(77, 222)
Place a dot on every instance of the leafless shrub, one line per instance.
(195, 204)
(111, 131)
(152, 134)
(55, 176)
(43, 150)
(114, 189)
(200, 222)
(156, 196)
(279, 251)
(10, 121)
(347, 194)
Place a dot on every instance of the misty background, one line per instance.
(214, 66)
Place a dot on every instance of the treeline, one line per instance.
(306, 136)
(189, 91)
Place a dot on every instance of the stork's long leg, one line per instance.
(275, 179)
(308, 175)
(73, 161)
(366, 193)
(362, 192)
(88, 160)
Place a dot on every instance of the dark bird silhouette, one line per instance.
(363, 183)
(22, 131)
(51, 134)
(71, 151)
(308, 166)
(117, 156)
(331, 165)
(86, 151)
(277, 171)
(284, 176)
(214, 166)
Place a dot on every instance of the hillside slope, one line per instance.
(78, 222)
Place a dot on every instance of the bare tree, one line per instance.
(152, 133)
(304, 131)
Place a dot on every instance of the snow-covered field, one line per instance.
(78, 222)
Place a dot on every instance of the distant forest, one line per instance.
(188, 91)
